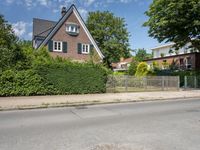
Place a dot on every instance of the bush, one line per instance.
(23, 83)
(74, 78)
(142, 69)
(132, 68)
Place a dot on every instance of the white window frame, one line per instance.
(55, 46)
(85, 48)
(69, 28)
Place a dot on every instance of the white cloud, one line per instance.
(20, 28)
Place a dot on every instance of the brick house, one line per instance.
(183, 59)
(67, 38)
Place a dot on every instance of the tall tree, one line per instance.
(10, 51)
(111, 35)
(141, 54)
(175, 21)
(7, 36)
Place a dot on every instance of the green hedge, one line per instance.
(54, 78)
(23, 83)
(74, 78)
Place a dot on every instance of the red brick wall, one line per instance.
(72, 41)
(195, 58)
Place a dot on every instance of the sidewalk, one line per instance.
(31, 102)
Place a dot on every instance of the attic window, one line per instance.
(72, 29)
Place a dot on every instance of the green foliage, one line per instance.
(111, 35)
(141, 55)
(54, 78)
(155, 65)
(132, 68)
(74, 78)
(7, 36)
(10, 49)
(162, 55)
(175, 21)
(165, 65)
(119, 73)
(142, 69)
(23, 83)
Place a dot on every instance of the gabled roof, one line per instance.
(42, 27)
(62, 20)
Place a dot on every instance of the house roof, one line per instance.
(128, 60)
(42, 27)
(124, 61)
(61, 21)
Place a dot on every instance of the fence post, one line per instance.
(163, 83)
(145, 82)
(195, 82)
(126, 83)
(185, 82)
(113, 83)
(178, 82)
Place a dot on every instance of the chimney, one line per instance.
(63, 11)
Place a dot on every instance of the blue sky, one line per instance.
(21, 12)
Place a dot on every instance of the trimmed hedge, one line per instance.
(54, 78)
(74, 78)
(23, 83)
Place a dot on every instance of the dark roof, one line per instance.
(42, 27)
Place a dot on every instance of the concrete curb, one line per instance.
(87, 103)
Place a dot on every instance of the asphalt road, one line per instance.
(168, 125)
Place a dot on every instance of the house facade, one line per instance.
(183, 59)
(122, 65)
(67, 38)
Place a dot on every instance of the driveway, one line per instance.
(167, 125)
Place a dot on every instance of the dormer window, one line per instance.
(72, 29)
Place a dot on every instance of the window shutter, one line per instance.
(64, 47)
(91, 49)
(50, 46)
(79, 48)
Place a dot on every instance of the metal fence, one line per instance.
(192, 82)
(125, 83)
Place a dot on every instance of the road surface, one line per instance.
(167, 125)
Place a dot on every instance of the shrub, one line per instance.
(142, 69)
(155, 66)
(23, 83)
(74, 78)
(132, 68)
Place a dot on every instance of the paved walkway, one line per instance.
(9, 103)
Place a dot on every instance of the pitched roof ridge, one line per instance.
(44, 20)
(45, 31)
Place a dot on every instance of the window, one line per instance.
(72, 29)
(188, 63)
(57, 46)
(85, 48)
